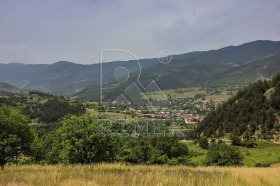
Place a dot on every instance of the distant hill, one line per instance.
(6, 86)
(176, 74)
(7, 89)
(190, 69)
(62, 78)
(201, 68)
(239, 55)
(252, 112)
(263, 68)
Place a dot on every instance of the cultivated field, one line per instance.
(118, 174)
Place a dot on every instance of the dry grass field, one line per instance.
(118, 174)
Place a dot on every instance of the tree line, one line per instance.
(78, 140)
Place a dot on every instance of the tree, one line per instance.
(137, 151)
(79, 141)
(157, 150)
(16, 136)
(170, 147)
(223, 155)
(53, 109)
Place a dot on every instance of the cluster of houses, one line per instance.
(166, 113)
(189, 112)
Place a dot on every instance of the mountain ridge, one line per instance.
(67, 78)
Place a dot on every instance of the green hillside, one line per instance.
(230, 65)
(252, 112)
(189, 69)
(260, 69)
(7, 89)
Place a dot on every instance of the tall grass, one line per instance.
(118, 174)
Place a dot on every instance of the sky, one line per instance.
(40, 31)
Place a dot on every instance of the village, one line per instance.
(187, 111)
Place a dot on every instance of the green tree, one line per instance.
(136, 151)
(171, 147)
(223, 155)
(16, 136)
(79, 140)
(157, 150)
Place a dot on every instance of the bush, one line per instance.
(223, 155)
(158, 159)
(248, 143)
(263, 165)
(235, 140)
(203, 143)
(179, 161)
(154, 151)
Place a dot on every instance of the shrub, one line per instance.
(203, 143)
(235, 140)
(248, 143)
(263, 165)
(223, 155)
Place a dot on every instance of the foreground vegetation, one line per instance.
(73, 145)
(87, 139)
(120, 174)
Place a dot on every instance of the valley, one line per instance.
(139, 93)
(207, 114)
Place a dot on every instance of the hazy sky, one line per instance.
(46, 31)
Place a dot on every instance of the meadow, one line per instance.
(224, 92)
(120, 174)
(263, 153)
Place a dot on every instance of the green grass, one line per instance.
(264, 153)
(114, 115)
(190, 92)
(200, 153)
(218, 97)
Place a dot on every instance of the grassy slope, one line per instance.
(117, 174)
(192, 91)
(265, 152)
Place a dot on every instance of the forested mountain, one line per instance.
(63, 78)
(190, 69)
(176, 74)
(199, 68)
(240, 55)
(263, 68)
(252, 112)
(7, 89)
